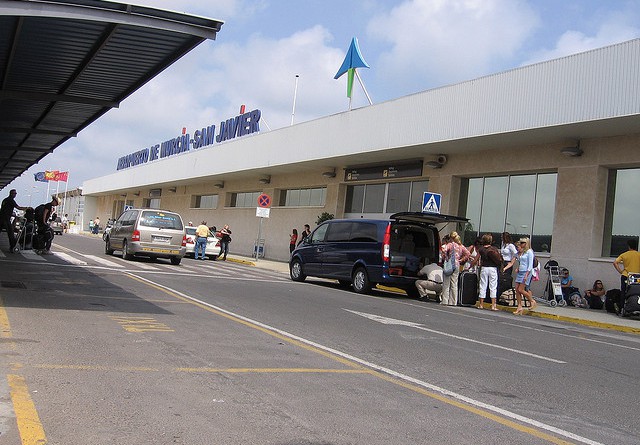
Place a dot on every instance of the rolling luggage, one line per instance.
(467, 288)
(505, 282)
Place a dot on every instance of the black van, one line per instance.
(366, 252)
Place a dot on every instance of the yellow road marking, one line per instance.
(31, 431)
(5, 326)
(442, 398)
(203, 370)
(140, 324)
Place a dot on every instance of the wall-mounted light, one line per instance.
(329, 173)
(173, 189)
(265, 180)
(573, 151)
(439, 162)
(219, 185)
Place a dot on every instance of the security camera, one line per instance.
(442, 159)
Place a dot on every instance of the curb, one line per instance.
(591, 323)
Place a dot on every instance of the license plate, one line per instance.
(150, 249)
(161, 239)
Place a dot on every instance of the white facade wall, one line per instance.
(509, 123)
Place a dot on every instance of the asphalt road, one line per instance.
(100, 350)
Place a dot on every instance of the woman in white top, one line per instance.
(508, 251)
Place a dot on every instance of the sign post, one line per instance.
(262, 211)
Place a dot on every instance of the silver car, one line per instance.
(148, 232)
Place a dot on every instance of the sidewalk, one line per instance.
(585, 317)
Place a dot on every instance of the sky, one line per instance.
(410, 46)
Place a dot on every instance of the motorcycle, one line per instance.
(107, 229)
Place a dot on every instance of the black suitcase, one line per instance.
(611, 299)
(505, 282)
(467, 288)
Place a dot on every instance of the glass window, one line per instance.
(303, 197)
(151, 203)
(206, 202)
(622, 221)
(522, 205)
(339, 231)
(245, 199)
(522, 199)
(364, 232)
(354, 199)
(394, 197)
(417, 191)
(318, 235)
(398, 197)
(494, 204)
(374, 198)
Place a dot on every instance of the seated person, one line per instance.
(569, 292)
(595, 295)
(432, 281)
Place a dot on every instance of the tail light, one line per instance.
(184, 241)
(135, 236)
(386, 241)
(188, 240)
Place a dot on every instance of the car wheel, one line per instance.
(125, 254)
(295, 271)
(175, 260)
(107, 247)
(361, 283)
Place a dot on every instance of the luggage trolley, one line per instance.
(553, 289)
(25, 235)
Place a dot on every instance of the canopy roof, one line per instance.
(63, 64)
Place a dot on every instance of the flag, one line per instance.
(50, 175)
(40, 177)
(352, 60)
(61, 176)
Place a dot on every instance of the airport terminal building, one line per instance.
(550, 151)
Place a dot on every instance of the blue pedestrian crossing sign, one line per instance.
(431, 202)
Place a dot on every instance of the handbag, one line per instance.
(449, 264)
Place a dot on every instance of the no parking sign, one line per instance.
(264, 202)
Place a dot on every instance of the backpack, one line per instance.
(611, 300)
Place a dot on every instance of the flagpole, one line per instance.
(66, 188)
(295, 94)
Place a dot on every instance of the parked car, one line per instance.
(366, 252)
(57, 226)
(213, 244)
(148, 232)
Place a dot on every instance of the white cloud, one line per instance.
(616, 27)
(436, 42)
